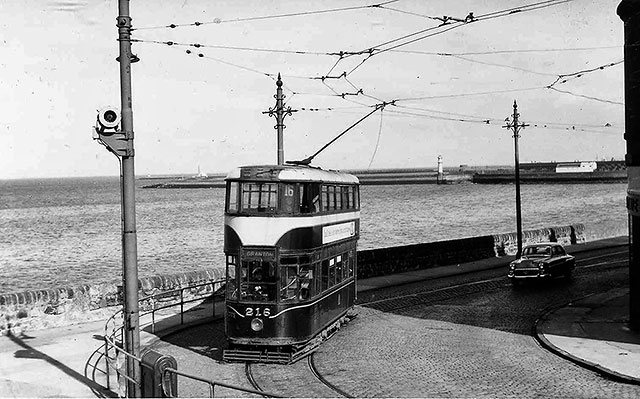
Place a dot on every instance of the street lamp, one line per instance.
(515, 126)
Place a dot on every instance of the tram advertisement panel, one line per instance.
(338, 232)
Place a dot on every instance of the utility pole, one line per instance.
(129, 239)
(629, 12)
(516, 127)
(279, 112)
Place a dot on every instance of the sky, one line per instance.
(447, 87)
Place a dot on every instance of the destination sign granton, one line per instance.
(258, 253)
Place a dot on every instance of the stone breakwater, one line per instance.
(34, 310)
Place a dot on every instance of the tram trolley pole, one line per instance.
(629, 12)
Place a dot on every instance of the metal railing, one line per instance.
(115, 356)
(211, 384)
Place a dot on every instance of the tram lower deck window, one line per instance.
(296, 279)
(258, 281)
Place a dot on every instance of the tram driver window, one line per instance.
(258, 280)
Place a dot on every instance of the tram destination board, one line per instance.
(262, 253)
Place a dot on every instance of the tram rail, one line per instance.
(409, 300)
(114, 357)
(313, 371)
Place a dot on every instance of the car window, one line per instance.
(537, 251)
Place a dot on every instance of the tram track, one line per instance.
(252, 380)
(309, 382)
(323, 387)
(406, 301)
(316, 373)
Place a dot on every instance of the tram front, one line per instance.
(287, 277)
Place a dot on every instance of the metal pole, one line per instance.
(279, 112)
(516, 127)
(517, 166)
(280, 120)
(129, 240)
(629, 12)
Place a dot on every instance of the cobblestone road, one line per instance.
(468, 341)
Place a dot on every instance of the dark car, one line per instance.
(541, 260)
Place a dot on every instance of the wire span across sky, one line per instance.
(449, 72)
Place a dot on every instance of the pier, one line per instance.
(530, 173)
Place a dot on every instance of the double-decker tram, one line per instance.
(290, 237)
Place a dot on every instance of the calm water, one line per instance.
(58, 232)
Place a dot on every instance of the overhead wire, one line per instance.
(375, 50)
(375, 150)
(458, 22)
(266, 17)
(237, 48)
(308, 160)
(501, 66)
(585, 96)
(508, 51)
(570, 76)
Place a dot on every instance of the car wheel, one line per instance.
(515, 282)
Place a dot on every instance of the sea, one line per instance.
(63, 232)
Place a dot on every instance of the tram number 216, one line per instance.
(257, 312)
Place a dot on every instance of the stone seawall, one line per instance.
(382, 261)
(33, 310)
(47, 308)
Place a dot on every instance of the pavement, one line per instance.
(66, 361)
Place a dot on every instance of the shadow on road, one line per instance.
(29, 352)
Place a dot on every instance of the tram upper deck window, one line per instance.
(260, 197)
(309, 197)
(232, 196)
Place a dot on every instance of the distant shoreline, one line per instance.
(530, 173)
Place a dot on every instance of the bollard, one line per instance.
(152, 367)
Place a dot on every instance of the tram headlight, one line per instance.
(257, 325)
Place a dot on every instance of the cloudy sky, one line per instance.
(450, 85)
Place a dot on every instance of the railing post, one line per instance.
(153, 316)
(213, 290)
(181, 306)
(106, 361)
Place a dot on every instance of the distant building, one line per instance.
(576, 167)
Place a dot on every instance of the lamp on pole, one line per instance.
(114, 130)
(515, 126)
